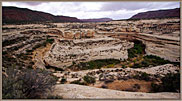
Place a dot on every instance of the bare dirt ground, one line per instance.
(130, 85)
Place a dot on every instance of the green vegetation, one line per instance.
(63, 80)
(151, 60)
(54, 97)
(44, 43)
(138, 49)
(55, 68)
(142, 76)
(170, 83)
(29, 51)
(78, 82)
(136, 56)
(88, 79)
(51, 41)
(97, 64)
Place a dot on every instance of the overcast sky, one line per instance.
(86, 10)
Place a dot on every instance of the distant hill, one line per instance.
(23, 15)
(96, 20)
(169, 13)
(20, 15)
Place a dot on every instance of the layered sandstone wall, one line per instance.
(161, 36)
(65, 52)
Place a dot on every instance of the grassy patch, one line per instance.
(97, 64)
(151, 60)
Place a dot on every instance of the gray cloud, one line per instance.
(114, 6)
(30, 3)
(84, 10)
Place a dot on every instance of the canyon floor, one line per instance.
(104, 60)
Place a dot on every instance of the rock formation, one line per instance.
(161, 37)
(63, 53)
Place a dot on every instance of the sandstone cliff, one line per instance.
(65, 52)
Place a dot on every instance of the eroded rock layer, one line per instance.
(64, 52)
(161, 36)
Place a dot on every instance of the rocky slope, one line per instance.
(111, 74)
(73, 91)
(169, 13)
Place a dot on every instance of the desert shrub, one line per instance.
(4, 52)
(137, 65)
(145, 76)
(170, 83)
(55, 68)
(27, 83)
(78, 82)
(124, 66)
(63, 80)
(142, 76)
(39, 45)
(136, 86)
(104, 86)
(29, 51)
(88, 79)
(54, 97)
(50, 41)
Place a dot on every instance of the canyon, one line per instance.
(98, 57)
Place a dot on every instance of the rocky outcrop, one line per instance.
(73, 91)
(168, 27)
(164, 46)
(26, 40)
(161, 36)
(111, 74)
(64, 52)
(78, 34)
